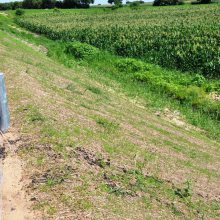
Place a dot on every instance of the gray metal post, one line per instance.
(4, 113)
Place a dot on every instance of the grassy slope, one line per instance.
(74, 125)
(161, 87)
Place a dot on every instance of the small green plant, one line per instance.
(51, 210)
(40, 160)
(212, 86)
(194, 95)
(19, 12)
(56, 10)
(184, 192)
(131, 182)
(118, 191)
(198, 80)
(71, 87)
(131, 65)
(143, 77)
(50, 182)
(34, 115)
(105, 123)
(81, 50)
(94, 90)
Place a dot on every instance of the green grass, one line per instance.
(105, 123)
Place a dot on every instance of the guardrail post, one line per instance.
(4, 113)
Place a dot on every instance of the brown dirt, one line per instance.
(15, 204)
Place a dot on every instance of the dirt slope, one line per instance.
(91, 152)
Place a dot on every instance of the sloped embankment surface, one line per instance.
(91, 152)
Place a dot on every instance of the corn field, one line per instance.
(182, 37)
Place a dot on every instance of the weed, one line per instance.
(198, 80)
(109, 148)
(119, 191)
(51, 210)
(52, 182)
(216, 205)
(81, 50)
(71, 88)
(131, 65)
(40, 160)
(40, 205)
(184, 192)
(82, 204)
(34, 115)
(94, 90)
(85, 106)
(130, 182)
(19, 12)
(105, 123)
(56, 10)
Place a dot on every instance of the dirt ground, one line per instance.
(15, 203)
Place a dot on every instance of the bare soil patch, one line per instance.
(15, 203)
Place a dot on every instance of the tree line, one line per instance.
(178, 2)
(43, 4)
